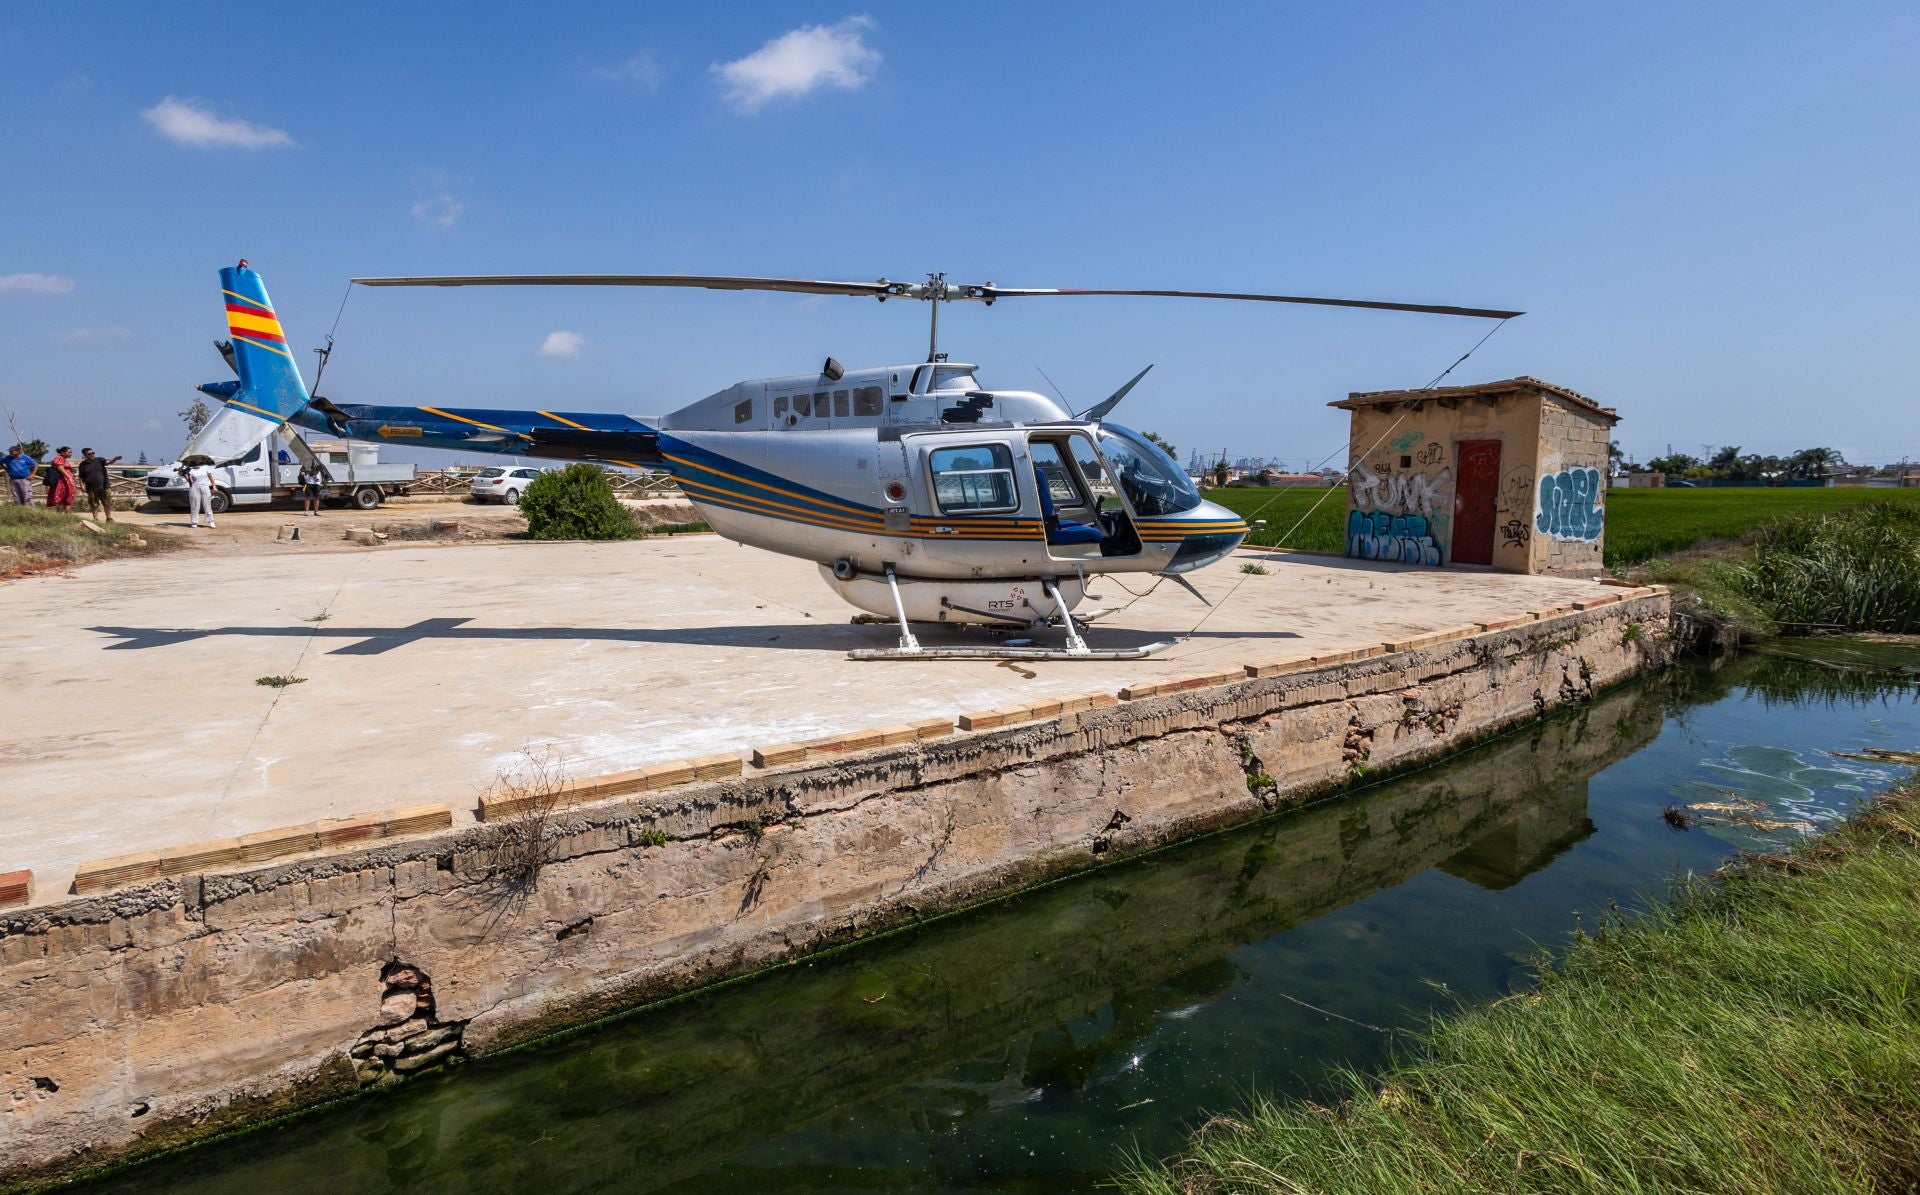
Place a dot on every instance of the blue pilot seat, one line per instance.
(1059, 530)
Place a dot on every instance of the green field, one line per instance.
(1325, 530)
(1641, 524)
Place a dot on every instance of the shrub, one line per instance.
(576, 502)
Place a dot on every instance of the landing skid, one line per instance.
(1004, 653)
(1075, 649)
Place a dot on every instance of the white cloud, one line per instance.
(640, 70)
(45, 284)
(796, 62)
(440, 211)
(562, 344)
(192, 123)
(115, 332)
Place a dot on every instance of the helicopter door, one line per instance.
(1070, 511)
(1104, 502)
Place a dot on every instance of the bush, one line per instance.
(576, 502)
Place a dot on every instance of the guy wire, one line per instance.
(1406, 406)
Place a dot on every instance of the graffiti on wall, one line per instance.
(1516, 492)
(1514, 534)
(1382, 535)
(1399, 493)
(1570, 505)
(1432, 454)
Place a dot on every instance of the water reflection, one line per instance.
(1023, 1046)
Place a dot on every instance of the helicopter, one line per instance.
(924, 496)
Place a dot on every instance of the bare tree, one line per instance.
(196, 416)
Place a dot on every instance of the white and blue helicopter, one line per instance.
(922, 495)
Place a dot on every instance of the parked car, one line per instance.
(1679, 483)
(503, 484)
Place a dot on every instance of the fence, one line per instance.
(455, 481)
(129, 487)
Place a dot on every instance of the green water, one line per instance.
(1028, 1046)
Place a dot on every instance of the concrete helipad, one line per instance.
(133, 721)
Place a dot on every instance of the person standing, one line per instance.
(60, 481)
(199, 493)
(310, 481)
(20, 470)
(99, 487)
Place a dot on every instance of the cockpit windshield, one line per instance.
(954, 377)
(1154, 484)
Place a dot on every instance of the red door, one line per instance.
(1476, 488)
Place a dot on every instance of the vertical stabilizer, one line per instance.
(270, 391)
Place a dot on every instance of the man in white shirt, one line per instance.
(199, 494)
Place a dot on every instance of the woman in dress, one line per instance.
(60, 493)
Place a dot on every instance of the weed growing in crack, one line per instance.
(512, 849)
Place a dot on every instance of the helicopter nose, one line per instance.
(1209, 532)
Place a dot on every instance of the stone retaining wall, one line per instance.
(160, 1013)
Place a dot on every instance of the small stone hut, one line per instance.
(1508, 474)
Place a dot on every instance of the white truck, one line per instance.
(270, 470)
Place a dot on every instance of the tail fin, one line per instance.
(270, 390)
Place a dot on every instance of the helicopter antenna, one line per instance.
(1056, 389)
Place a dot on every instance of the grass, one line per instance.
(1760, 1033)
(1325, 529)
(279, 682)
(33, 538)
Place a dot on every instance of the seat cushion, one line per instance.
(1064, 532)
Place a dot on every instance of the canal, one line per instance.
(1033, 1044)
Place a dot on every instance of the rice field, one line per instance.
(1641, 524)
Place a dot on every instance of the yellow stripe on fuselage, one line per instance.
(701, 492)
(563, 419)
(475, 422)
(759, 485)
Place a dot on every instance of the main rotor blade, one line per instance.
(992, 293)
(803, 286)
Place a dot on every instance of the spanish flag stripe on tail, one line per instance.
(253, 325)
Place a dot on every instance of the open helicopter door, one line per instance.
(1086, 518)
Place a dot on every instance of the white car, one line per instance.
(503, 484)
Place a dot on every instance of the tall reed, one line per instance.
(1856, 570)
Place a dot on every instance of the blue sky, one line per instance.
(1708, 210)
